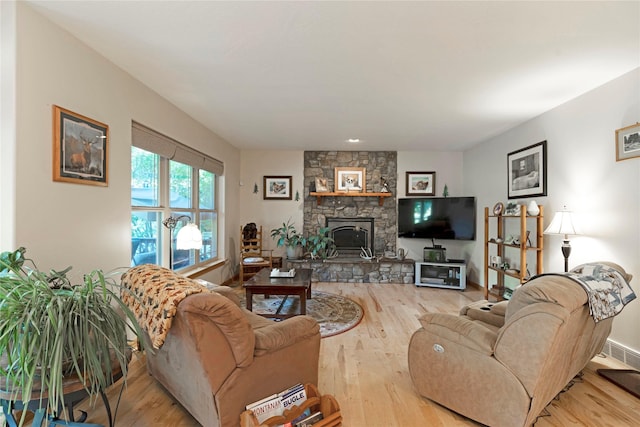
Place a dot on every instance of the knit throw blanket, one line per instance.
(153, 294)
(607, 289)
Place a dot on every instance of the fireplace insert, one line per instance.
(351, 234)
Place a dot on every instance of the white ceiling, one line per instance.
(397, 75)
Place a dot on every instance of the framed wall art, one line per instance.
(80, 148)
(322, 185)
(277, 188)
(421, 184)
(628, 142)
(527, 171)
(349, 179)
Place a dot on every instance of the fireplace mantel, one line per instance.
(320, 195)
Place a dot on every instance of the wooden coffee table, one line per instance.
(262, 284)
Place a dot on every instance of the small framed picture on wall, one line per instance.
(421, 184)
(277, 188)
(628, 142)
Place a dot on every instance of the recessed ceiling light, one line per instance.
(353, 140)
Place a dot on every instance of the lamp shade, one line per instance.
(562, 223)
(189, 237)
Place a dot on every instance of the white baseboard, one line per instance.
(622, 353)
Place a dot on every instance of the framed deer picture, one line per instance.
(80, 148)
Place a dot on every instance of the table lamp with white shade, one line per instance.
(564, 224)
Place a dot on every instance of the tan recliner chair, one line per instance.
(218, 357)
(500, 364)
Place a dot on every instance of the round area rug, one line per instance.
(334, 313)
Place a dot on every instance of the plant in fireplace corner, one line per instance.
(51, 329)
(288, 237)
(320, 245)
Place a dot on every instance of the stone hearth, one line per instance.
(357, 270)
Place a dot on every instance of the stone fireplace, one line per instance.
(377, 165)
(351, 235)
(353, 219)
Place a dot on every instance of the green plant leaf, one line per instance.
(49, 327)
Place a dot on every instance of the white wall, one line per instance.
(582, 173)
(85, 226)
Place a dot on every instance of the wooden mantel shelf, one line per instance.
(319, 196)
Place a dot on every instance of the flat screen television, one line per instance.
(446, 218)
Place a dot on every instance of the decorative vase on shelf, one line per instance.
(532, 208)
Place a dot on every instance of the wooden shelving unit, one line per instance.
(320, 195)
(326, 404)
(494, 245)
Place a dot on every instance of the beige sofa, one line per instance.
(217, 357)
(500, 364)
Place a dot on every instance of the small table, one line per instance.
(263, 284)
(74, 393)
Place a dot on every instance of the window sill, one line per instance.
(204, 268)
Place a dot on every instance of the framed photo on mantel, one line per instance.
(350, 179)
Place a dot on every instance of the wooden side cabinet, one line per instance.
(523, 253)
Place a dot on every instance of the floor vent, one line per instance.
(622, 353)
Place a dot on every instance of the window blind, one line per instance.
(155, 142)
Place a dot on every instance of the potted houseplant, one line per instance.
(51, 328)
(288, 237)
(320, 245)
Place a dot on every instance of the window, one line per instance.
(162, 187)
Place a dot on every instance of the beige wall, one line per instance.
(254, 165)
(583, 175)
(7, 122)
(87, 226)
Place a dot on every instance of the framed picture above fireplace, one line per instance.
(350, 179)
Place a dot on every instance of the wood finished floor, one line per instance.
(366, 370)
